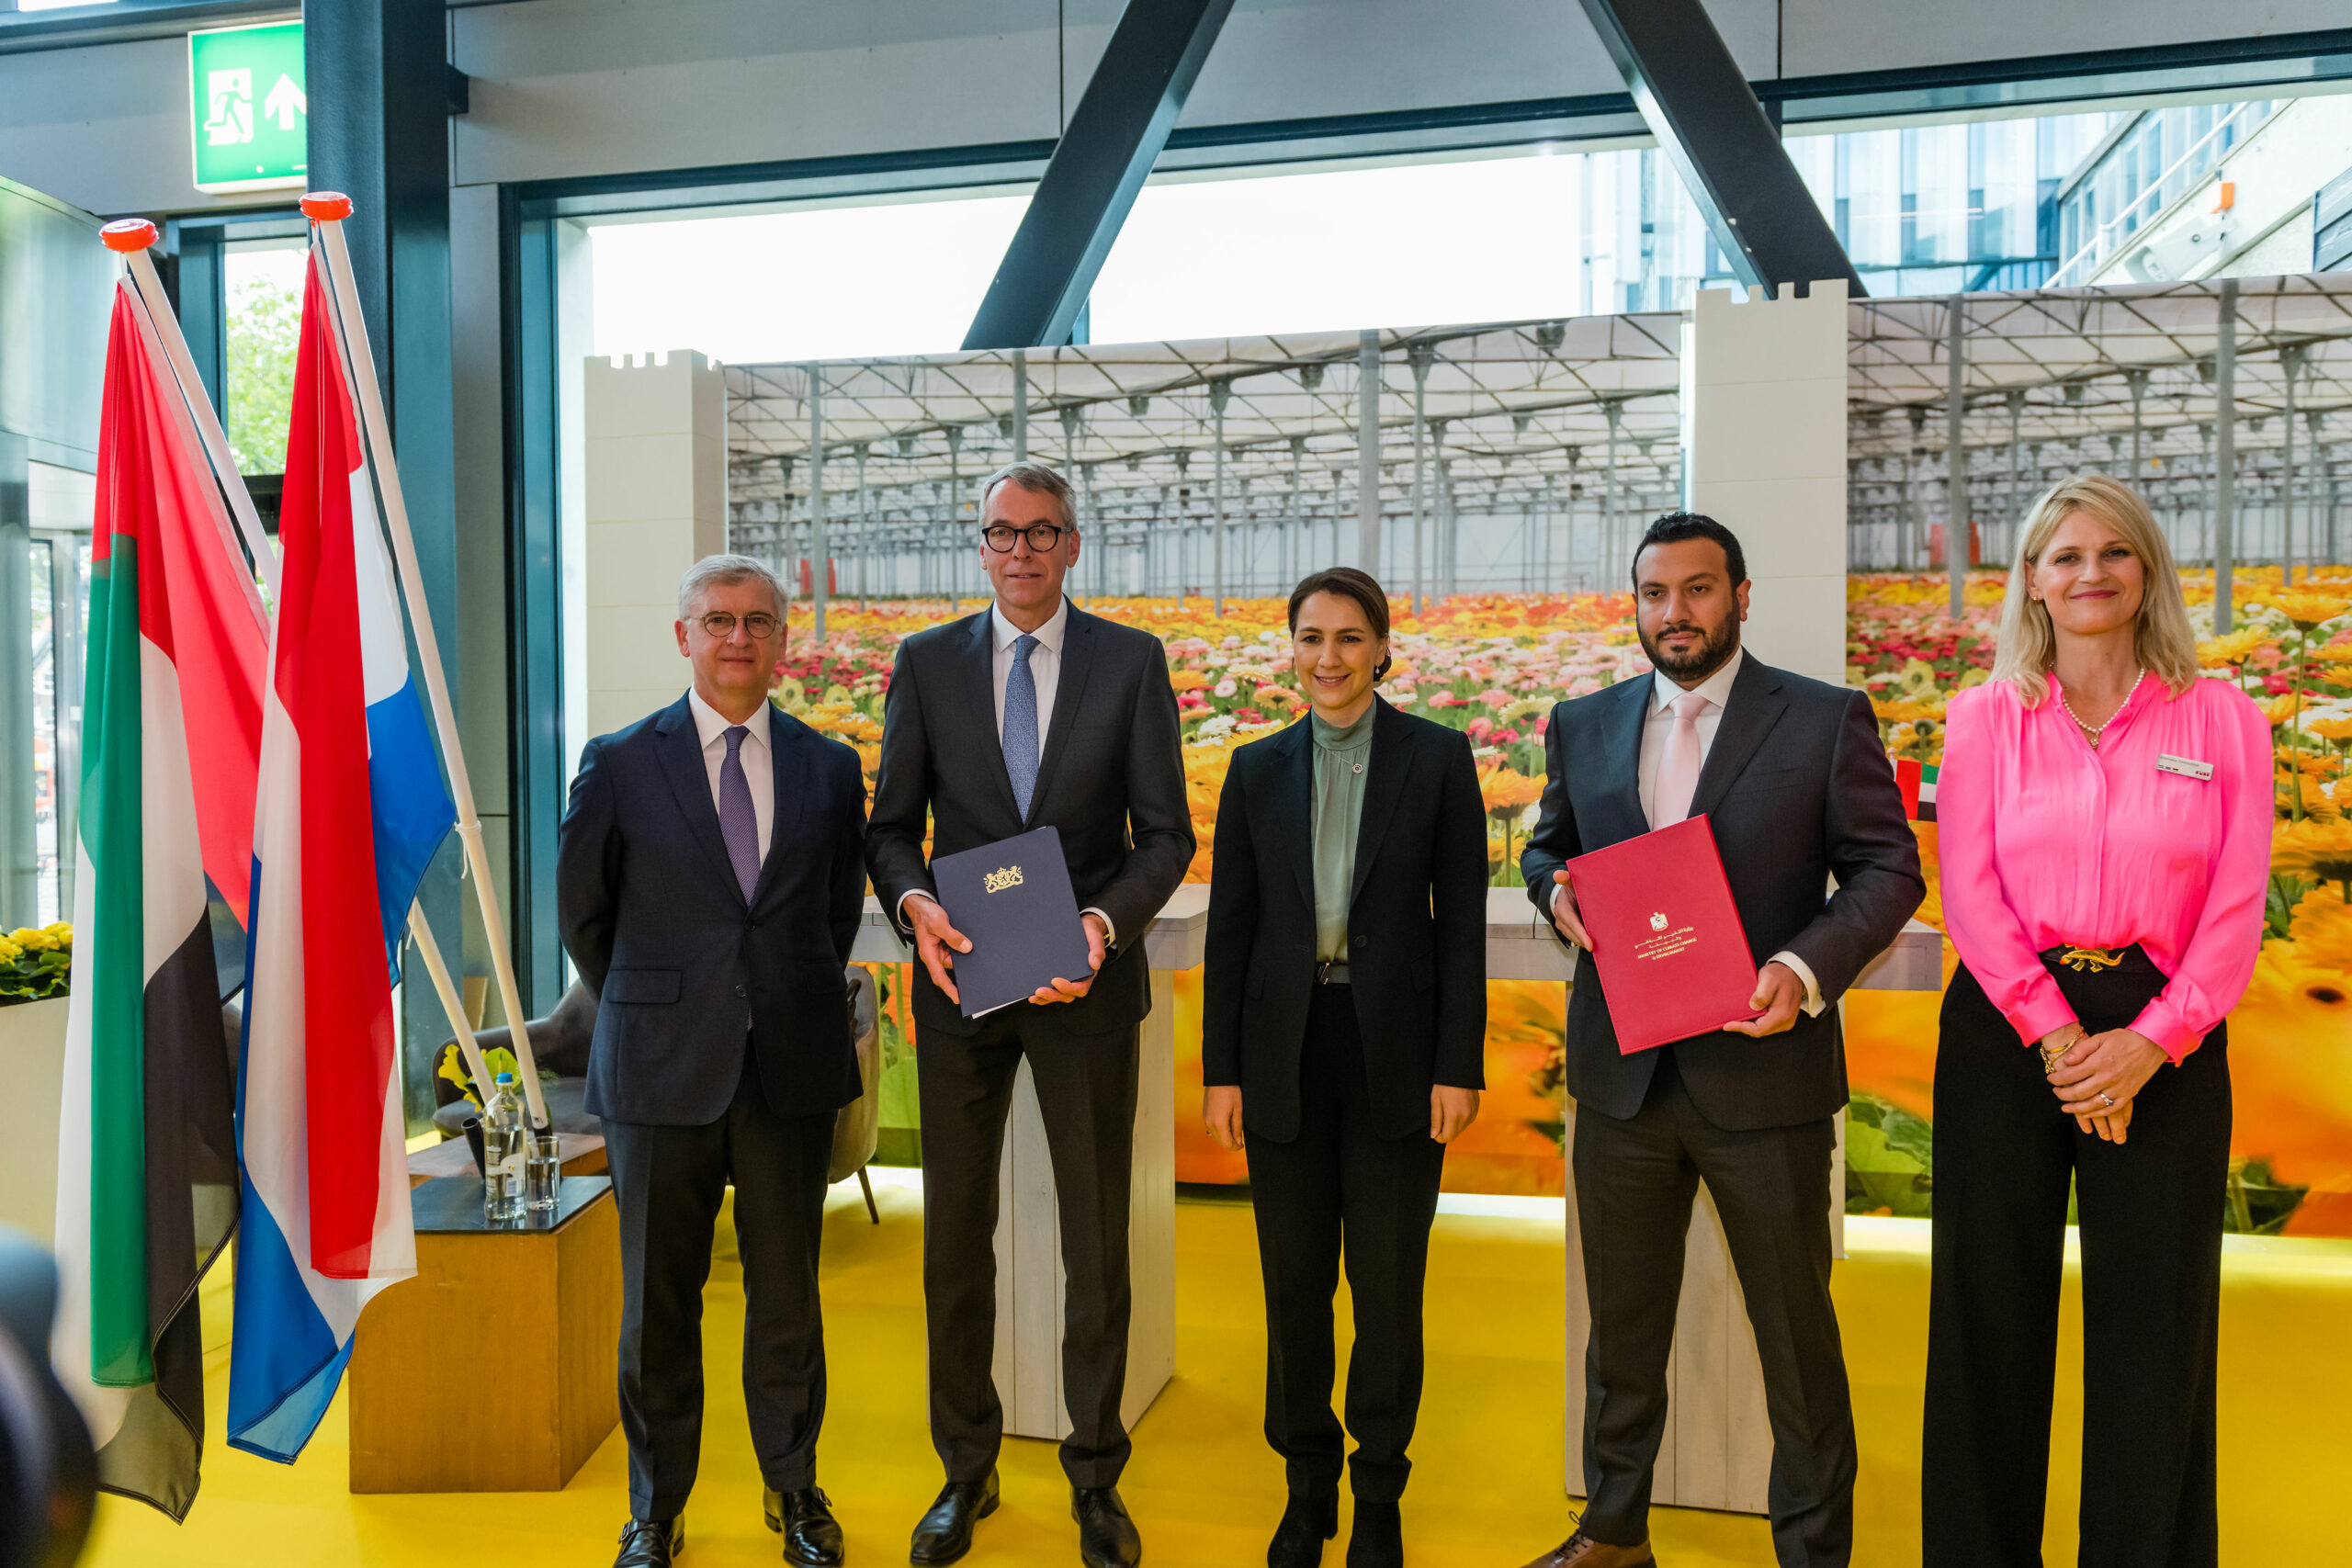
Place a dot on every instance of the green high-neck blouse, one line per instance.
(1340, 755)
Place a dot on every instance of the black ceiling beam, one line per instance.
(1715, 132)
(1112, 141)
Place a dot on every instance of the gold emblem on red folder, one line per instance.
(1657, 921)
(997, 880)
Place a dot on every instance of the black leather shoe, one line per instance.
(1106, 1537)
(651, 1544)
(1377, 1538)
(812, 1536)
(1306, 1524)
(945, 1534)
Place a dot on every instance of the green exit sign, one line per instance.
(250, 113)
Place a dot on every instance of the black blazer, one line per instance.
(654, 916)
(1798, 789)
(1112, 781)
(1416, 923)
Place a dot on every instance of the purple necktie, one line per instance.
(738, 824)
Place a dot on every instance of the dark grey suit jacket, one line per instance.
(652, 914)
(1797, 788)
(1416, 923)
(1112, 781)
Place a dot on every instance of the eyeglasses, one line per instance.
(1043, 537)
(720, 625)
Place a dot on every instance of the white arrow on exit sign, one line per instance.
(285, 101)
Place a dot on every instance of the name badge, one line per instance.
(2187, 767)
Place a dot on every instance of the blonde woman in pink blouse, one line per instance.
(2104, 828)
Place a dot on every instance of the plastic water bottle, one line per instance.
(503, 1153)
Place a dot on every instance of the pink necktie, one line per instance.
(1678, 770)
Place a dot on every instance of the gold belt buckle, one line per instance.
(2091, 960)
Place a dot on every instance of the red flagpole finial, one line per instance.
(125, 235)
(326, 206)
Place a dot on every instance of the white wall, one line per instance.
(572, 87)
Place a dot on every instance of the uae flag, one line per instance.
(1916, 780)
(147, 1189)
(350, 808)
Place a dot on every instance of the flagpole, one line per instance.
(129, 238)
(420, 931)
(326, 210)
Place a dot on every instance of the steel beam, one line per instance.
(1368, 455)
(1956, 525)
(2225, 463)
(1715, 132)
(1112, 141)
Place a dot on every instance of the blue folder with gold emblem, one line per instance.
(1012, 899)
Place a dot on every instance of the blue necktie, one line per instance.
(1020, 724)
(737, 823)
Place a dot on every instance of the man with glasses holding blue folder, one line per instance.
(1031, 714)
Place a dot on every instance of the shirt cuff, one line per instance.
(1110, 928)
(2161, 1022)
(1803, 972)
(2043, 1012)
(900, 914)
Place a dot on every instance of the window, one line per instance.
(262, 283)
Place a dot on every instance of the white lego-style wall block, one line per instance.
(1764, 454)
(655, 430)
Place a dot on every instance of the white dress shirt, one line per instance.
(757, 760)
(1045, 670)
(1045, 665)
(1715, 688)
(1658, 727)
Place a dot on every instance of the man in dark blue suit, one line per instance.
(709, 879)
(1794, 782)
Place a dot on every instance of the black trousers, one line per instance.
(668, 1182)
(1636, 1180)
(1340, 1190)
(2151, 1225)
(1086, 1093)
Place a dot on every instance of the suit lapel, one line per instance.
(979, 693)
(1291, 775)
(1076, 660)
(1755, 706)
(1385, 774)
(788, 754)
(680, 750)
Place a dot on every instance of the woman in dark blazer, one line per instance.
(1343, 1043)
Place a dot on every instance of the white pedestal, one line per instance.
(1029, 1279)
(32, 1054)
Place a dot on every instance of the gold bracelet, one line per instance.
(2050, 1053)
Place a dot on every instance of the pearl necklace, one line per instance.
(2092, 734)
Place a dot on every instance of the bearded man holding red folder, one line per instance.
(1796, 786)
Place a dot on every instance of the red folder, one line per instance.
(1665, 935)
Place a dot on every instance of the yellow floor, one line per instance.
(1202, 1486)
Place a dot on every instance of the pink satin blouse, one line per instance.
(2044, 842)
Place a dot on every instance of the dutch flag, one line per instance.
(351, 807)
